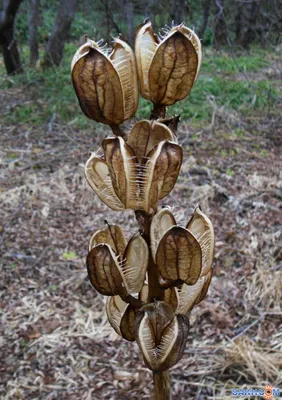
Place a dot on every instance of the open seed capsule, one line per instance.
(160, 335)
(106, 85)
(114, 269)
(137, 173)
(168, 66)
(201, 227)
(121, 316)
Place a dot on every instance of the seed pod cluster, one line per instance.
(183, 257)
(106, 82)
(154, 279)
(137, 173)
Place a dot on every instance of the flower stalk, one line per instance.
(162, 385)
(154, 278)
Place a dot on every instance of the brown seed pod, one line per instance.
(145, 135)
(121, 316)
(163, 220)
(179, 256)
(136, 257)
(113, 268)
(160, 335)
(194, 39)
(115, 308)
(127, 324)
(123, 60)
(106, 86)
(122, 182)
(112, 235)
(104, 270)
(203, 293)
(122, 164)
(160, 172)
(167, 68)
(201, 227)
(98, 176)
(189, 296)
(146, 43)
(167, 167)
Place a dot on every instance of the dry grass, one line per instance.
(55, 340)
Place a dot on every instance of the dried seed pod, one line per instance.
(127, 324)
(167, 68)
(122, 164)
(106, 85)
(112, 235)
(135, 268)
(191, 35)
(115, 308)
(121, 316)
(123, 60)
(121, 182)
(160, 335)
(160, 316)
(121, 271)
(162, 221)
(179, 256)
(201, 227)
(160, 172)
(189, 296)
(145, 135)
(104, 270)
(173, 247)
(98, 176)
(146, 43)
(205, 288)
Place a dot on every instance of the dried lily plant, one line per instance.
(155, 279)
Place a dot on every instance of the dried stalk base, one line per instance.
(162, 385)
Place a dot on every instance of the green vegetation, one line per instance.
(70, 255)
(229, 63)
(48, 94)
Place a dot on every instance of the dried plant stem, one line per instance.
(158, 111)
(132, 300)
(162, 385)
(117, 131)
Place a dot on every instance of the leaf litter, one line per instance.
(55, 340)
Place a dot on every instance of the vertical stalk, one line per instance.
(162, 385)
(117, 131)
(155, 290)
(158, 111)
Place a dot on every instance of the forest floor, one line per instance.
(55, 341)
